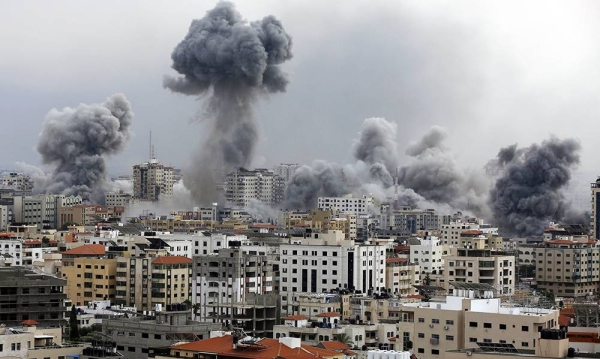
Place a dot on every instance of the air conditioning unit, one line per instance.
(446, 327)
(469, 353)
(430, 325)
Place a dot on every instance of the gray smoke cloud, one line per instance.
(75, 141)
(527, 195)
(229, 62)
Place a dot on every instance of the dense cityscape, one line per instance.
(399, 251)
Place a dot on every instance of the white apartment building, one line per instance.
(244, 186)
(326, 261)
(152, 180)
(118, 198)
(347, 203)
(429, 255)
(42, 209)
(11, 251)
(204, 243)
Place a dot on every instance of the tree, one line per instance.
(427, 280)
(45, 241)
(344, 338)
(196, 308)
(73, 325)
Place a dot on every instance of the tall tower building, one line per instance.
(152, 180)
(243, 186)
(595, 217)
(286, 170)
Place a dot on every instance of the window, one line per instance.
(487, 325)
(157, 336)
(421, 350)
(473, 340)
(503, 326)
(435, 321)
(473, 324)
(421, 335)
(421, 320)
(449, 322)
(525, 328)
(131, 349)
(435, 352)
(450, 337)
(524, 344)
(145, 335)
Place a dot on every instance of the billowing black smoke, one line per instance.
(230, 62)
(75, 140)
(527, 195)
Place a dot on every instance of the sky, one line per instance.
(492, 73)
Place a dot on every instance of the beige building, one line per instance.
(152, 180)
(244, 186)
(400, 276)
(29, 341)
(477, 239)
(145, 282)
(481, 266)
(89, 273)
(568, 268)
(83, 214)
(475, 317)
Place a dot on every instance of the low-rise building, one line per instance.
(31, 341)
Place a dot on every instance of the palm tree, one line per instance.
(344, 338)
(196, 309)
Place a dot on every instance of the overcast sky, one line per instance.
(492, 73)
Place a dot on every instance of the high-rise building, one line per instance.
(286, 170)
(152, 180)
(17, 181)
(346, 204)
(243, 186)
(42, 209)
(595, 222)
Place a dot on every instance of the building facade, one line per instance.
(244, 186)
(152, 180)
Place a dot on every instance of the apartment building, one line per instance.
(232, 273)
(87, 215)
(244, 186)
(346, 204)
(476, 239)
(211, 242)
(485, 266)
(322, 262)
(42, 209)
(152, 180)
(6, 216)
(146, 281)
(119, 198)
(18, 181)
(137, 337)
(429, 255)
(595, 215)
(311, 304)
(89, 273)
(401, 276)
(31, 341)
(11, 249)
(25, 295)
(568, 268)
(286, 170)
(475, 316)
(407, 221)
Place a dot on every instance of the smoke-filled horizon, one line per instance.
(521, 190)
(228, 62)
(76, 141)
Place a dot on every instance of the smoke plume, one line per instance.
(75, 141)
(229, 62)
(528, 192)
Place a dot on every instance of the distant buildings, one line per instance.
(152, 180)
(347, 204)
(595, 217)
(17, 181)
(244, 186)
(42, 209)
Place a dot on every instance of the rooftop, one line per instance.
(87, 250)
(172, 260)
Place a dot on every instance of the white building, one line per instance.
(11, 251)
(406, 220)
(429, 255)
(348, 204)
(244, 186)
(204, 243)
(326, 261)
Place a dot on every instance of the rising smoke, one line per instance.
(528, 192)
(76, 140)
(229, 62)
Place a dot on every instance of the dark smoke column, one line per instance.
(75, 141)
(528, 192)
(230, 62)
